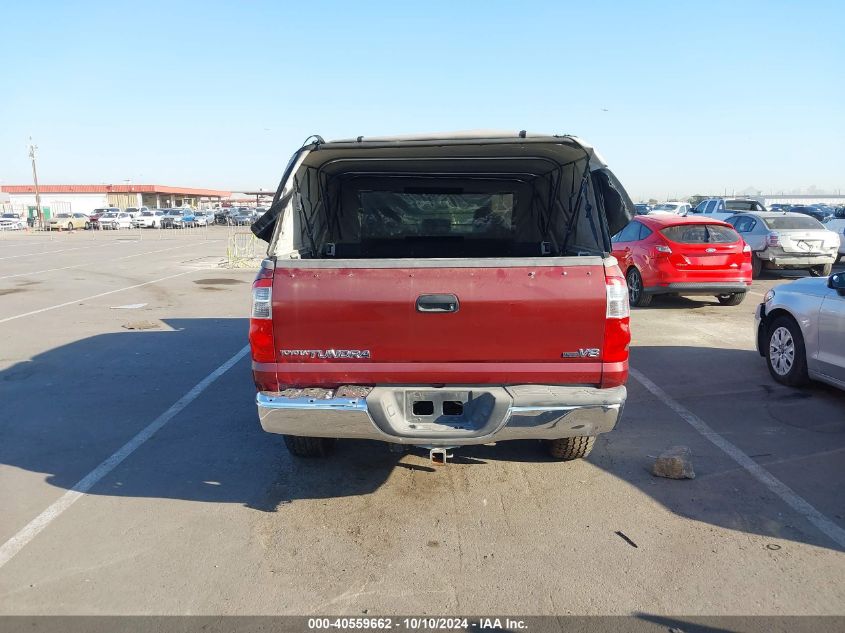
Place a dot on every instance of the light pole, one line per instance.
(32, 150)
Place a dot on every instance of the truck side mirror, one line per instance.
(837, 282)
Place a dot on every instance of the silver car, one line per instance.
(801, 331)
(787, 240)
(838, 227)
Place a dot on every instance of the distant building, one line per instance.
(86, 198)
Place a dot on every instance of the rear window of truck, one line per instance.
(742, 205)
(786, 223)
(700, 234)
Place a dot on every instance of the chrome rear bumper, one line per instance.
(488, 414)
(783, 259)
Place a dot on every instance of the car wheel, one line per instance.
(733, 299)
(569, 448)
(785, 352)
(823, 270)
(309, 446)
(70, 226)
(636, 295)
(87, 225)
(756, 266)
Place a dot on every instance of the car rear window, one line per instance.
(700, 234)
(786, 223)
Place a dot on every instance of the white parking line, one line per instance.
(102, 294)
(34, 527)
(776, 486)
(50, 270)
(63, 250)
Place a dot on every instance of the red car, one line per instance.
(668, 254)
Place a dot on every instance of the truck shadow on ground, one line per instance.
(69, 408)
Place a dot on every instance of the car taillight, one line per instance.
(662, 250)
(773, 239)
(617, 330)
(261, 317)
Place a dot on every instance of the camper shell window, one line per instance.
(455, 201)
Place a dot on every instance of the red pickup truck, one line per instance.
(442, 291)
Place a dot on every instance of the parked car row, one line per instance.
(701, 255)
(237, 216)
(172, 218)
(112, 218)
(721, 208)
(800, 326)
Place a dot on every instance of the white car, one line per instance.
(203, 218)
(134, 212)
(673, 208)
(11, 222)
(801, 331)
(121, 220)
(838, 227)
(149, 219)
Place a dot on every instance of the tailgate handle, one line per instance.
(437, 303)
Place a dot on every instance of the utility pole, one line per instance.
(32, 150)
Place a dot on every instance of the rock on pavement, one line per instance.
(674, 463)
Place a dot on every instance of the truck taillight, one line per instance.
(617, 298)
(261, 319)
(261, 301)
(617, 329)
(773, 239)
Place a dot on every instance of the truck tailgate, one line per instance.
(508, 323)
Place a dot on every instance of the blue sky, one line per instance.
(680, 97)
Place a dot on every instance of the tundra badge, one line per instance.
(327, 353)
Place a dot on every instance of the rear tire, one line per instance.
(823, 270)
(569, 448)
(756, 266)
(636, 295)
(732, 299)
(786, 355)
(309, 446)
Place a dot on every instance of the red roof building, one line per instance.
(86, 198)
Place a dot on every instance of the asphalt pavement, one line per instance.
(135, 479)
